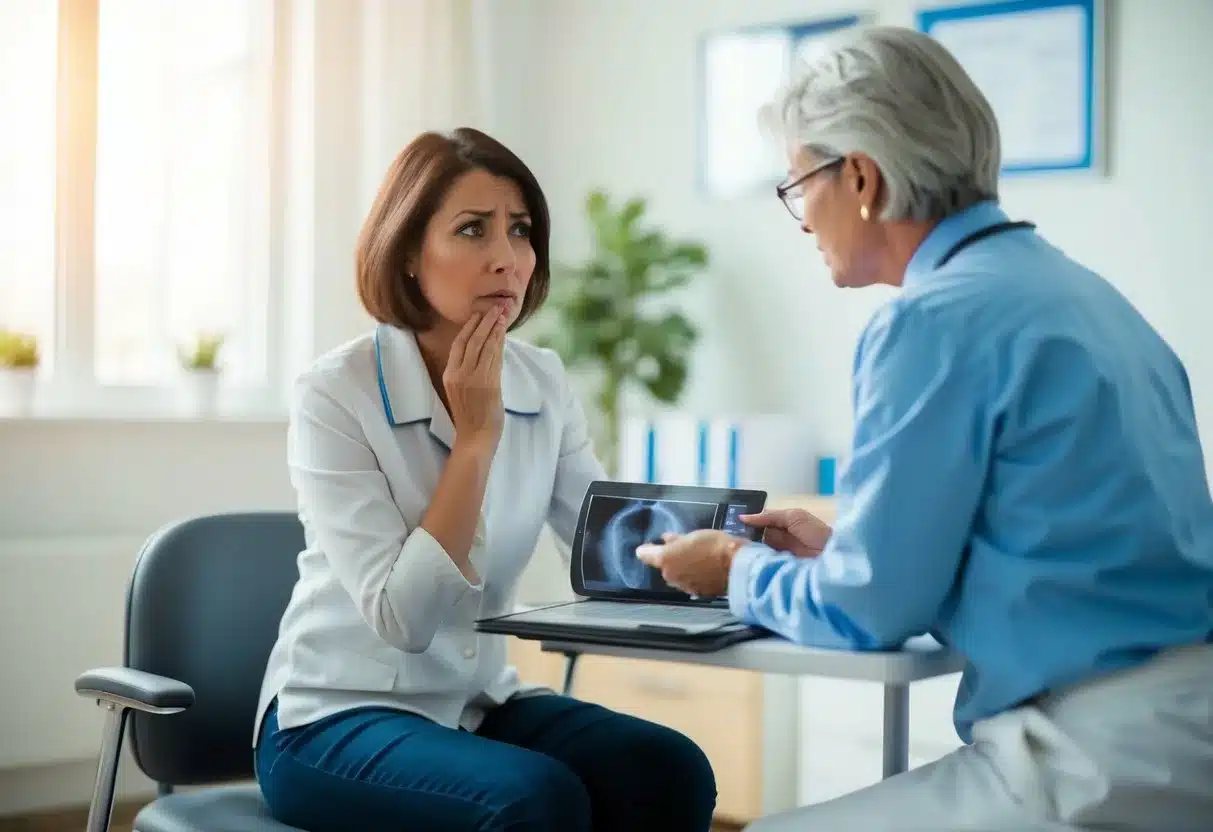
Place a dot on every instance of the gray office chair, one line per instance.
(202, 613)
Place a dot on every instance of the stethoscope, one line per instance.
(981, 234)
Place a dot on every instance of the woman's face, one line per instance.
(476, 254)
(832, 202)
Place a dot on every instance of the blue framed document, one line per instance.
(739, 71)
(1040, 64)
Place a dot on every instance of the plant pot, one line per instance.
(18, 387)
(199, 392)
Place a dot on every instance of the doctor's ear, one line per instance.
(863, 176)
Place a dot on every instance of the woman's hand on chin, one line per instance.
(472, 380)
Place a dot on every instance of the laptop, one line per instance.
(621, 600)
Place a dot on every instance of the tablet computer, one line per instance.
(616, 517)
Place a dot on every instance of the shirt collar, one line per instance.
(409, 396)
(950, 231)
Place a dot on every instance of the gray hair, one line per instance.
(900, 97)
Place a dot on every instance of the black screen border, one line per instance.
(752, 499)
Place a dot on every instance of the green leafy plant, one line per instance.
(203, 353)
(602, 314)
(18, 350)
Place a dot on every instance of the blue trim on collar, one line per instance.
(426, 420)
(387, 404)
(947, 233)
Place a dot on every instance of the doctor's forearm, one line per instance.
(454, 511)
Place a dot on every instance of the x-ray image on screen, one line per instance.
(615, 526)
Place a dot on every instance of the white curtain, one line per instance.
(421, 70)
(364, 78)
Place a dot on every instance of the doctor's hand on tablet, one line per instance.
(791, 530)
(696, 563)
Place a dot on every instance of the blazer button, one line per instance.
(469, 652)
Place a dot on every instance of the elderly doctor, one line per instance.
(427, 454)
(1025, 480)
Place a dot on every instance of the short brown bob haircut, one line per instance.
(414, 187)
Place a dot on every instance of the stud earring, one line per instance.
(864, 214)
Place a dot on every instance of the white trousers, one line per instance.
(1128, 751)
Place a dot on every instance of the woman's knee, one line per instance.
(680, 760)
(669, 780)
(543, 794)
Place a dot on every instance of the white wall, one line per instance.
(77, 498)
(618, 87)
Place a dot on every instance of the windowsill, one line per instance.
(148, 405)
(147, 415)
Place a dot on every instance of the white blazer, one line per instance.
(380, 615)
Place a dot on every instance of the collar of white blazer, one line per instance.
(409, 397)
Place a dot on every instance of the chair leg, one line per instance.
(107, 768)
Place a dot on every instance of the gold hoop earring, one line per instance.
(864, 213)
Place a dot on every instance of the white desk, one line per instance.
(921, 658)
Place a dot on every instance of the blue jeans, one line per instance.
(538, 763)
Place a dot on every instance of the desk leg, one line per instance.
(570, 665)
(896, 729)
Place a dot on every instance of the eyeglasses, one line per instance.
(792, 193)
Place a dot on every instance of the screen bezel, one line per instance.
(753, 500)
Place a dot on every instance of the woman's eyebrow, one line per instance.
(489, 213)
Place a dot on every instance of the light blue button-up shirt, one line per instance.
(1026, 482)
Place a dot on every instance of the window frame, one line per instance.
(72, 387)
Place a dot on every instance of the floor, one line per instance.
(72, 820)
(124, 814)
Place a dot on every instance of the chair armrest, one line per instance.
(118, 689)
(130, 688)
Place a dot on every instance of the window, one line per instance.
(27, 168)
(182, 151)
(177, 118)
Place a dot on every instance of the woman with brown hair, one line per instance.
(426, 456)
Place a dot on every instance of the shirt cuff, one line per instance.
(739, 578)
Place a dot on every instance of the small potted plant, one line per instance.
(19, 359)
(201, 371)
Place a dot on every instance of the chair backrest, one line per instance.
(204, 606)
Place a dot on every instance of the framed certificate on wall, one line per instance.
(739, 71)
(1040, 63)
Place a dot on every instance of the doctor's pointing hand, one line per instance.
(698, 562)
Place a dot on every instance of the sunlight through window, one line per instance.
(183, 144)
(27, 168)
